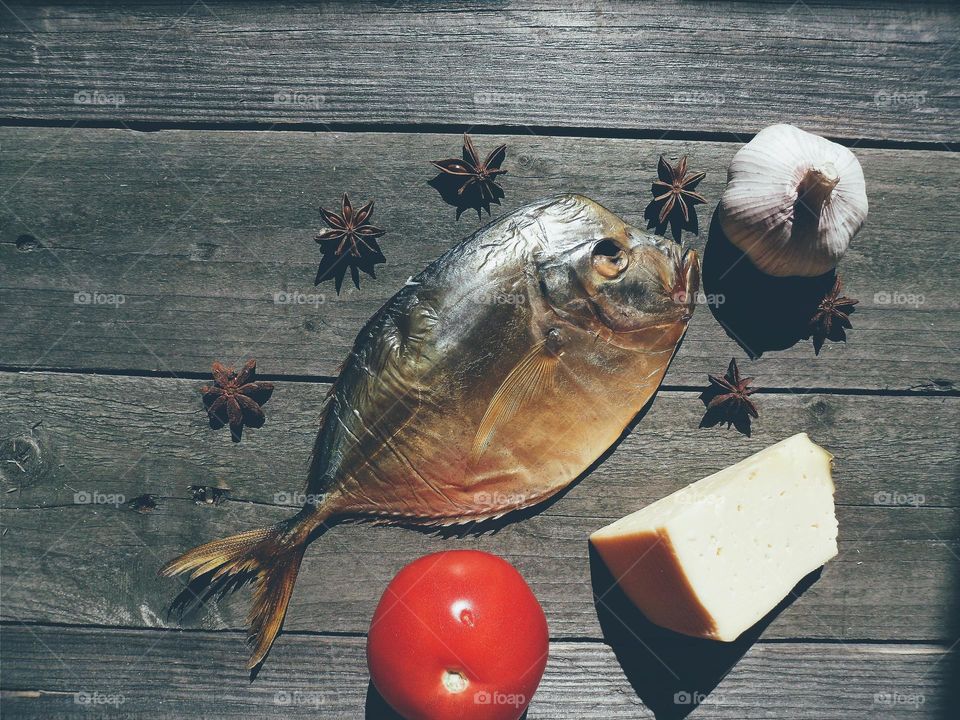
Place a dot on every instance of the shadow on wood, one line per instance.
(376, 707)
(670, 672)
(758, 311)
(228, 576)
(448, 186)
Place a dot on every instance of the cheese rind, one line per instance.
(712, 559)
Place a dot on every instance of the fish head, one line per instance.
(634, 289)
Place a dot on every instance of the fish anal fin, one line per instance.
(530, 378)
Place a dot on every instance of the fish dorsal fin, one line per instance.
(532, 376)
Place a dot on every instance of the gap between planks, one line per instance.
(591, 132)
(328, 379)
(905, 646)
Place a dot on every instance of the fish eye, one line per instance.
(609, 259)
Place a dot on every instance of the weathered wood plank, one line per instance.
(134, 435)
(199, 232)
(896, 576)
(147, 674)
(96, 563)
(880, 70)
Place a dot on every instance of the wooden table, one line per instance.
(161, 165)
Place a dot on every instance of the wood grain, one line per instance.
(201, 232)
(75, 552)
(135, 435)
(195, 232)
(879, 70)
(146, 674)
(895, 579)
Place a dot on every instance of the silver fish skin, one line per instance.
(400, 439)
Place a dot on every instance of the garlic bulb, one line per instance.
(793, 201)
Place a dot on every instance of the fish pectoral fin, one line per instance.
(530, 378)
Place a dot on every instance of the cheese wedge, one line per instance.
(711, 559)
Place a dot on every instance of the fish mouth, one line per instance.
(686, 282)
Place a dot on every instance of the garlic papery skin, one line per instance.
(793, 201)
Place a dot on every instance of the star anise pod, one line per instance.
(474, 179)
(235, 398)
(728, 400)
(675, 188)
(351, 242)
(832, 317)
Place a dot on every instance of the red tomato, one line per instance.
(458, 634)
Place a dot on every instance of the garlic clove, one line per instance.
(793, 201)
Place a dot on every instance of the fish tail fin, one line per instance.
(268, 557)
